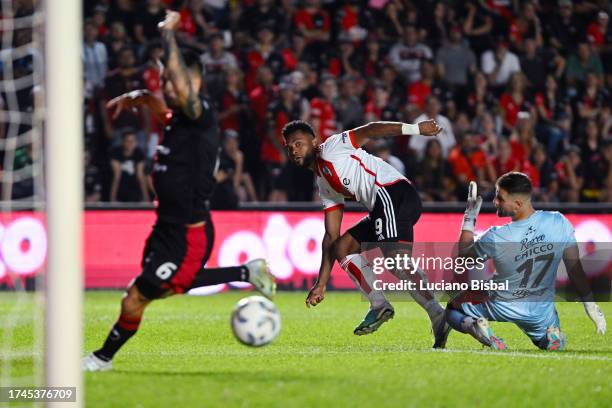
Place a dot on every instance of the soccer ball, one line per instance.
(256, 321)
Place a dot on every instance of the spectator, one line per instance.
(145, 27)
(489, 138)
(215, 61)
(570, 173)
(95, 57)
(513, 101)
(554, 117)
(115, 42)
(259, 100)
(287, 107)
(581, 63)
(123, 11)
(564, 28)
(352, 21)
(391, 80)
(477, 27)
(534, 65)
(313, 23)
(378, 107)
(233, 184)
(418, 91)
(593, 98)
(446, 137)
(407, 56)
(127, 162)
(124, 79)
(347, 62)
(99, 20)
(455, 61)
(523, 138)
(263, 52)
(500, 64)
(434, 174)
(607, 173)
(595, 165)
(349, 111)
(93, 182)
(505, 162)
(373, 61)
(263, 13)
(526, 27)
(481, 97)
(541, 171)
(323, 115)
(380, 148)
(389, 22)
(151, 77)
(469, 163)
(233, 105)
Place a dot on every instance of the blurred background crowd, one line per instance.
(516, 85)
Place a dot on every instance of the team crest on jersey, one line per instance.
(530, 230)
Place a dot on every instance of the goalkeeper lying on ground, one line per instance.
(526, 252)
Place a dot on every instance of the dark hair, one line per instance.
(297, 126)
(515, 183)
(127, 131)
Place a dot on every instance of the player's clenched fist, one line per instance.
(429, 128)
(171, 21)
(316, 295)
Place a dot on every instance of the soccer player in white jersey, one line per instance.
(347, 171)
(526, 253)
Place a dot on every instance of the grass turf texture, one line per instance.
(185, 355)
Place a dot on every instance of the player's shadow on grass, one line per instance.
(257, 376)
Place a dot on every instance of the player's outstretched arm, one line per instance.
(333, 221)
(371, 130)
(138, 98)
(573, 265)
(466, 237)
(177, 71)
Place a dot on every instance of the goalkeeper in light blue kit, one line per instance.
(526, 253)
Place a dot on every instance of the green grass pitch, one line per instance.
(185, 355)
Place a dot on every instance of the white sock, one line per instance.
(426, 299)
(467, 323)
(360, 271)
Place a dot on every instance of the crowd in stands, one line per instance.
(516, 85)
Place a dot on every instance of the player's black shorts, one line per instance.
(396, 210)
(172, 257)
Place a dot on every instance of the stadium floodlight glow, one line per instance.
(64, 152)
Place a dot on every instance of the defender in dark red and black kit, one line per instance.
(184, 179)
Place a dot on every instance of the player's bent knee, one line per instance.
(134, 302)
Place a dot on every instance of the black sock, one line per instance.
(215, 276)
(121, 332)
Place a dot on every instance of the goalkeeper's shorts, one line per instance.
(172, 257)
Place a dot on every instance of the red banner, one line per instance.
(291, 241)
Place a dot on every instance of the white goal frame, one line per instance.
(63, 171)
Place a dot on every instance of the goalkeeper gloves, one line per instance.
(474, 201)
(596, 315)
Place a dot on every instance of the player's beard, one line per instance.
(504, 213)
(308, 160)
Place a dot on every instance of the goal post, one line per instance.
(64, 168)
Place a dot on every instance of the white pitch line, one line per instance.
(542, 355)
(559, 356)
